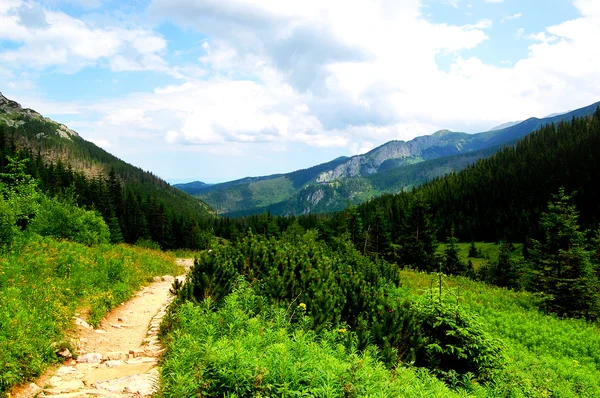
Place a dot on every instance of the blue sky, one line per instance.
(215, 90)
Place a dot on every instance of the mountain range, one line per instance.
(390, 168)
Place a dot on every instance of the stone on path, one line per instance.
(90, 358)
(82, 323)
(108, 374)
(32, 390)
(60, 386)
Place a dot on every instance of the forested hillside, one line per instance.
(391, 168)
(135, 204)
(503, 196)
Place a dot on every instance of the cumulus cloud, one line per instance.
(328, 74)
(72, 44)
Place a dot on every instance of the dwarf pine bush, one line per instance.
(339, 288)
(246, 348)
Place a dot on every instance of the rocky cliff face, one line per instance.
(441, 142)
(13, 114)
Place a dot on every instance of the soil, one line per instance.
(119, 358)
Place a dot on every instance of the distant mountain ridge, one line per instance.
(389, 168)
(192, 187)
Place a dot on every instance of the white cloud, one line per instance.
(329, 74)
(512, 17)
(346, 75)
(101, 143)
(588, 7)
(520, 33)
(48, 38)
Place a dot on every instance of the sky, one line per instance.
(215, 90)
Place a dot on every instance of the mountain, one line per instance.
(505, 125)
(259, 192)
(389, 168)
(192, 187)
(135, 204)
(503, 196)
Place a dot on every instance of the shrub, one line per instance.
(338, 287)
(246, 348)
(63, 220)
(147, 244)
(452, 342)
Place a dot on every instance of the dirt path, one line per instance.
(119, 358)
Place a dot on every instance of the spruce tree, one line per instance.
(473, 251)
(563, 268)
(452, 264)
(506, 273)
(417, 243)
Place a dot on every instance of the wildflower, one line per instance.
(342, 330)
(302, 306)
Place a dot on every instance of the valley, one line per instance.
(390, 168)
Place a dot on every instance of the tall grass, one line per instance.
(547, 356)
(44, 282)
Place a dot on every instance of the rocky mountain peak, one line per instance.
(7, 104)
(15, 115)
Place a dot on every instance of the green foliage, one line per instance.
(417, 243)
(474, 251)
(563, 266)
(505, 271)
(44, 282)
(64, 220)
(545, 355)
(488, 252)
(248, 349)
(335, 285)
(134, 204)
(147, 244)
(7, 223)
(453, 343)
(20, 191)
(452, 265)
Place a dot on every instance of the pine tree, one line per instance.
(417, 244)
(473, 251)
(563, 267)
(452, 264)
(506, 273)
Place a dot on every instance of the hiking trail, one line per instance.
(119, 359)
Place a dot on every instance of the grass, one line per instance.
(184, 253)
(237, 351)
(489, 252)
(44, 282)
(547, 356)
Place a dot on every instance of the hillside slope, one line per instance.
(136, 204)
(503, 196)
(390, 168)
(55, 141)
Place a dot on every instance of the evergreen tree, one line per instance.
(563, 268)
(507, 273)
(452, 264)
(417, 244)
(473, 251)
